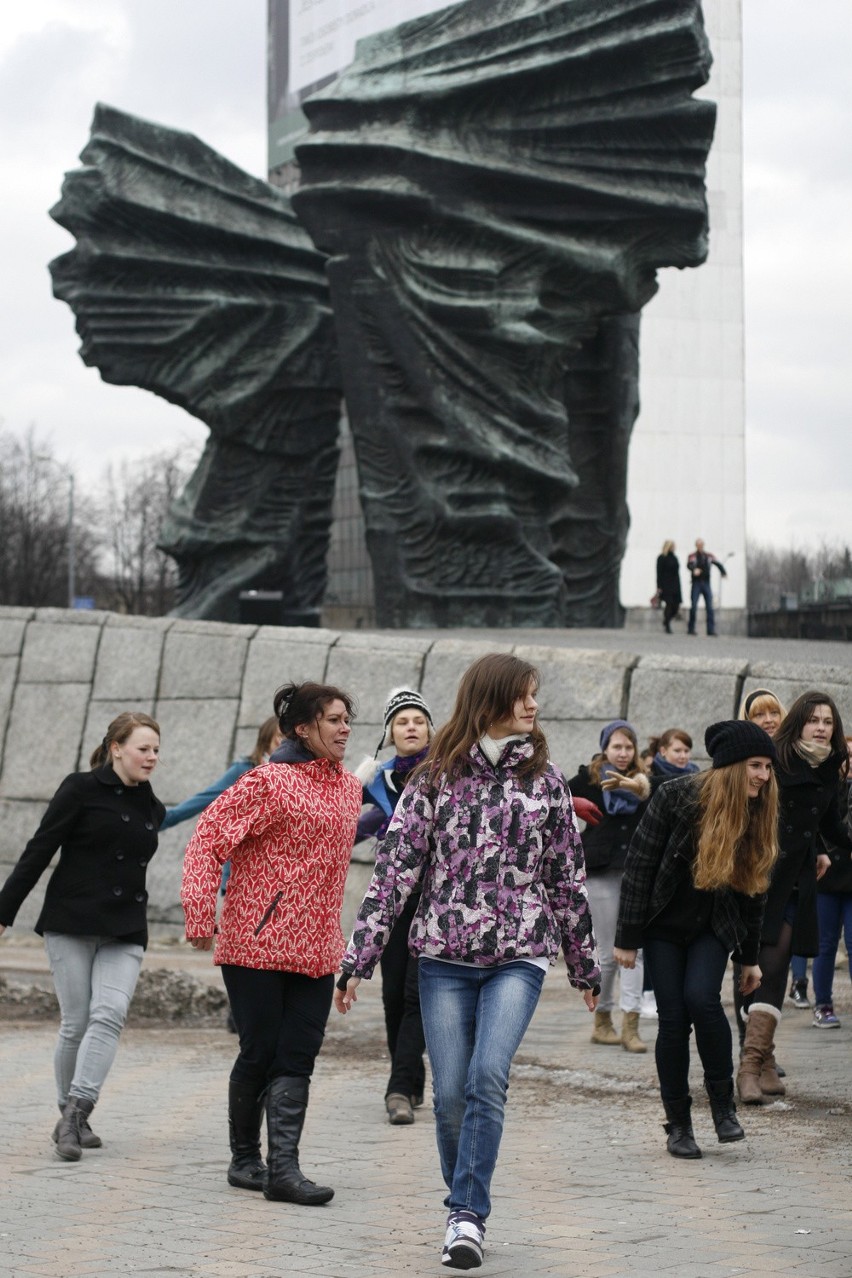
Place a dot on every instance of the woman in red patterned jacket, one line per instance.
(287, 828)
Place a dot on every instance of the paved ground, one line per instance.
(584, 1187)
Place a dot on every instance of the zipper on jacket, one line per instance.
(268, 913)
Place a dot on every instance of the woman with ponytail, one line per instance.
(104, 825)
(693, 894)
(287, 827)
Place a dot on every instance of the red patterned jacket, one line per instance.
(288, 831)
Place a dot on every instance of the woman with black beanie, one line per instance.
(693, 893)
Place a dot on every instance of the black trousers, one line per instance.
(280, 1018)
(401, 1001)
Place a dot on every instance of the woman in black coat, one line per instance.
(94, 914)
(668, 584)
(812, 759)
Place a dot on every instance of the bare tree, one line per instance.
(774, 571)
(34, 526)
(141, 578)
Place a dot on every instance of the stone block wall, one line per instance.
(64, 675)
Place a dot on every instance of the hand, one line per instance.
(624, 958)
(201, 942)
(587, 811)
(590, 999)
(750, 978)
(343, 999)
(634, 784)
(823, 864)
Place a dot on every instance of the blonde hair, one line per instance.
(667, 546)
(266, 734)
(737, 836)
(758, 703)
(121, 728)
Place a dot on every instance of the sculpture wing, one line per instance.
(492, 183)
(194, 280)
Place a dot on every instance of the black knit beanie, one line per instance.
(402, 699)
(736, 739)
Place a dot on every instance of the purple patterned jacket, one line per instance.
(502, 871)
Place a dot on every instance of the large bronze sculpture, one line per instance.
(495, 186)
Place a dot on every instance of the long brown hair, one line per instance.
(487, 692)
(793, 724)
(122, 726)
(737, 836)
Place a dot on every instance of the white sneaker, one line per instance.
(648, 1006)
(462, 1245)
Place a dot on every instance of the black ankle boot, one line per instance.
(245, 1111)
(723, 1109)
(681, 1140)
(88, 1139)
(68, 1132)
(286, 1105)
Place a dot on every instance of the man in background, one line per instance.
(698, 565)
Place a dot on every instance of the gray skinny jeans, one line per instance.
(604, 891)
(95, 977)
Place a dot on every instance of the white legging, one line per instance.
(95, 977)
(604, 891)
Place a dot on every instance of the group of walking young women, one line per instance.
(479, 883)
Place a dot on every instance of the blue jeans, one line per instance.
(474, 1019)
(701, 590)
(834, 910)
(688, 985)
(95, 977)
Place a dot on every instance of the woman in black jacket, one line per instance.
(812, 759)
(693, 893)
(616, 784)
(94, 914)
(668, 584)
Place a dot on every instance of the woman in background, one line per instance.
(407, 727)
(668, 584)
(671, 759)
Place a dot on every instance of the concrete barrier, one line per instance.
(64, 675)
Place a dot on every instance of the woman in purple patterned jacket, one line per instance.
(487, 828)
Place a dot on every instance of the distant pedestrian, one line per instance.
(104, 825)
(693, 893)
(287, 828)
(699, 564)
(488, 830)
(407, 726)
(668, 584)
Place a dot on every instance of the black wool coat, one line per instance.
(839, 877)
(659, 866)
(107, 832)
(668, 577)
(605, 845)
(807, 808)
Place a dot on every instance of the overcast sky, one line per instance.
(199, 65)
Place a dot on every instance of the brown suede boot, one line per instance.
(604, 1031)
(630, 1040)
(770, 1081)
(757, 1049)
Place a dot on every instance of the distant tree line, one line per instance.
(115, 529)
(773, 572)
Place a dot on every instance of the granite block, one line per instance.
(59, 653)
(43, 740)
(196, 745)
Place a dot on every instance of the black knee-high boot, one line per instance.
(286, 1105)
(245, 1111)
